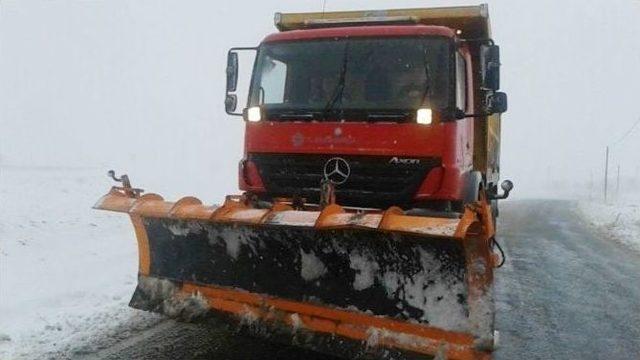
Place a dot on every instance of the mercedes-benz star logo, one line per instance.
(337, 170)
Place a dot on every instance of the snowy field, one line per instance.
(66, 271)
(620, 221)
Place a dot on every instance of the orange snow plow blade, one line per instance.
(351, 283)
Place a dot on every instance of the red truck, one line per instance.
(410, 111)
(366, 223)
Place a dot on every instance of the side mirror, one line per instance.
(230, 103)
(506, 186)
(232, 72)
(490, 59)
(498, 103)
(238, 84)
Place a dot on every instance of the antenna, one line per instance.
(324, 4)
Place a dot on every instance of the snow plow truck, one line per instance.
(369, 186)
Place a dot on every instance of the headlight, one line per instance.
(423, 116)
(254, 114)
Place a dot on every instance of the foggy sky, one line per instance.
(138, 86)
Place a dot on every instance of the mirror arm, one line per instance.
(503, 196)
(234, 113)
(243, 48)
(459, 114)
(475, 115)
(480, 41)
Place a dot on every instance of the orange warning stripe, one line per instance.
(357, 326)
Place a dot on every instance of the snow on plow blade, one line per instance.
(384, 283)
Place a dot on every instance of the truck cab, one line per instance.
(397, 108)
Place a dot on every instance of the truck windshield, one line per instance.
(352, 79)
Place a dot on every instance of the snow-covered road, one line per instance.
(566, 292)
(66, 274)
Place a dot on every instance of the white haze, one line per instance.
(138, 86)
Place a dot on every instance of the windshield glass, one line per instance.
(352, 79)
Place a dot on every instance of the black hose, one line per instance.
(502, 256)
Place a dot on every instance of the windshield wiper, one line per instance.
(400, 115)
(427, 74)
(295, 115)
(338, 91)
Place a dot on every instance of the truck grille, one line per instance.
(374, 181)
